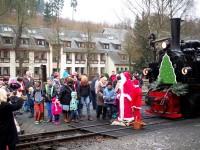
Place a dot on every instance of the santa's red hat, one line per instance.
(127, 75)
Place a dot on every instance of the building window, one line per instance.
(106, 46)
(21, 71)
(118, 47)
(77, 56)
(7, 29)
(69, 70)
(56, 56)
(102, 70)
(93, 70)
(93, 56)
(126, 69)
(117, 70)
(24, 41)
(91, 45)
(67, 43)
(103, 57)
(44, 56)
(124, 57)
(40, 56)
(8, 40)
(68, 56)
(122, 69)
(82, 70)
(41, 42)
(4, 71)
(81, 45)
(23, 55)
(36, 72)
(4, 54)
(77, 69)
(82, 57)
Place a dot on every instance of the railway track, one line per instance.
(47, 138)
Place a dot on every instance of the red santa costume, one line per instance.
(125, 98)
(137, 100)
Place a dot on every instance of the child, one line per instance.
(56, 109)
(49, 93)
(38, 102)
(109, 96)
(137, 102)
(74, 107)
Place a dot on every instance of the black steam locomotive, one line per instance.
(185, 58)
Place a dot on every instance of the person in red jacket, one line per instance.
(137, 101)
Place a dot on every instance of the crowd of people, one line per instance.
(66, 95)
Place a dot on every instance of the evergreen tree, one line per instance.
(166, 71)
(47, 13)
(40, 6)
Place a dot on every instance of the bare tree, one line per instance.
(90, 46)
(24, 11)
(161, 9)
(56, 7)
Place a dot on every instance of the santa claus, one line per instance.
(125, 98)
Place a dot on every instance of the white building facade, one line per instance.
(103, 53)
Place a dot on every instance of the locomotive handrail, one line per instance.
(161, 40)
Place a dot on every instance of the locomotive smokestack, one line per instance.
(175, 33)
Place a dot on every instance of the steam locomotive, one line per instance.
(185, 58)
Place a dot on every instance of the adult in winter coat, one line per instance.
(84, 92)
(100, 101)
(8, 131)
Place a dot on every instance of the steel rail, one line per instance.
(70, 137)
(92, 133)
(31, 136)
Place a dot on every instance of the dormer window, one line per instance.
(24, 41)
(124, 57)
(118, 47)
(67, 43)
(8, 40)
(91, 45)
(106, 46)
(7, 29)
(81, 45)
(40, 42)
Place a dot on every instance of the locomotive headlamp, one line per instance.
(146, 71)
(186, 70)
(164, 45)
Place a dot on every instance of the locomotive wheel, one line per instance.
(190, 107)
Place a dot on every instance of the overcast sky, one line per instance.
(108, 11)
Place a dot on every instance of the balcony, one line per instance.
(40, 60)
(4, 60)
(102, 61)
(24, 60)
(93, 61)
(79, 61)
(68, 61)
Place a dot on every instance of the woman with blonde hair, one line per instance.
(8, 131)
(84, 91)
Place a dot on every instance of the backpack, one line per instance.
(47, 90)
(38, 96)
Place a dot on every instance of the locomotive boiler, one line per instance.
(185, 59)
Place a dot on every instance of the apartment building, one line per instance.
(77, 51)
